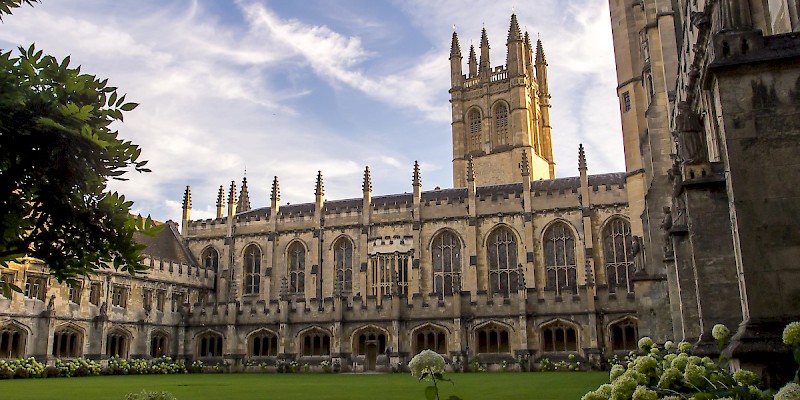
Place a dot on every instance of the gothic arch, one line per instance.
(447, 262)
(292, 243)
(501, 225)
(15, 324)
(118, 342)
(430, 336)
(341, 236)
(502, 246)
(611, 219)
(344, 256)
(448, 230)
(559, 335)
(262, 342)
(623, 333)
(559, 241)
(209, 343)
(68, 340)
(572, 228)
(369, 333)
(13, 339)
(492, 337)
(209, 257)
(312, 328)
(259, 331)
(252, 258)
(616, 242)
(314, 341)
(159, 343)
(208, 331)
(431, 324)
(296, 252)
(246, 246)
(494, 322)
(501, 124)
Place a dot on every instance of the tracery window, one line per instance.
(12, 342)
(343, 259)
(74, 292)
(263, 344)
(617, 241)
(559, 259)
(430, 338)
(117, 344)
(67, 343)
(493, 338)
(624, 335)
(158, 345)
(502, 253)
(209, 345)
(388, 274)
(36, 287)
(315, 343)
(370, 336)
(119, 296)
(210, 259)
(446, 254)
(559, 337)
(252, 269)
(297, 267)
(501, 125)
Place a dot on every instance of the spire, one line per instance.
(319, 190)
(527, 40)
(366, 186)
(513, 30)
(244, 198)
(486, 66)
(275, 195)
(472, 62)
(187, 198)
(455, 47)
(540, 59)
(221, 201)
(416, 177)
(525, 165)
(581, 158)
(232, 193)
(470, 170)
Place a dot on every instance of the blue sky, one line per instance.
(287, 88)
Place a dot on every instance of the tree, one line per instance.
(57, 152)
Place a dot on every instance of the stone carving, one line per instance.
(690, 135)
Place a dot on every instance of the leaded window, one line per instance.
(617, 241)
(474, 118)
(388, 274)
(297, 268)
(67, 343)
(263, 344)
(210, 259)
(446, 254)
(209, 345)
(559, 259)
(12, 342)
(624, 335)
(315, 343)
(503, 268)
(343, 258)
(117, 344)
(501, 125)
(559, 337)
(252, 269)
(430, 338)
(36, 287)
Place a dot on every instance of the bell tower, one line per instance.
(501, 114)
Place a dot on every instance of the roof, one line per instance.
(166, 244)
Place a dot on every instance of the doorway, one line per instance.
(371, 356)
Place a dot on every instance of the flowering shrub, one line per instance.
(196, 367)
(78, 367)
(791, 337)
(22, 368)
(789, 392)
(147, 395)
(663, 373)
(326, 366)
(720, 333)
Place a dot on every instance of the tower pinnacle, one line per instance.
(244, 198)
(455, 47)
(319, 190)
(275, 195)
(366, 186)
(514, 33)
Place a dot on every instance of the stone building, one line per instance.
(511, 264)
(709, 94)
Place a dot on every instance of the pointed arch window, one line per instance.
(430, 338)
(209, 345)
(474, 118)
(297, 267)
(117, 344)
(12, 342)
(210, 259)
(624, 335)
(501, 125)
(252, 269)
(263, 344)
(502, 253)
(617, 241)
(343, 258)
(493, 338)
(158, 345)
(315, 343)
(388, 274)
(446, 254)
(67, 343)
(559, 337)
(368, 337)
(559, 259)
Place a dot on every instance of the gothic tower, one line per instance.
(501, 114)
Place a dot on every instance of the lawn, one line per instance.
(494, 386)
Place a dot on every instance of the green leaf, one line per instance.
(431, 393)
(129, 106)
(9, 287)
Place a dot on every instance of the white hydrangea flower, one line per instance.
(789, 392)
(791, 334)
(426, 361)
(720, 332)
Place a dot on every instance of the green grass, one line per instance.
(494, 386)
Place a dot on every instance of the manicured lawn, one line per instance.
(494, 386)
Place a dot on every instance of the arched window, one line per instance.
(492, 338)
(369, 336)
(617, 240)
(210, 259)
(67, 343)
(559, 259)
(500, 125)
(117, 344)
(158, 344)
(446, 254)
(297, 268)
(388, 274)
(474, 118)
(315, 342)
(263, 344)
(624, 335)
(252, 269)
(430, 338)
(12, 342)
(343, 258)
(559, 336)
(502, 253)
(209, 345)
